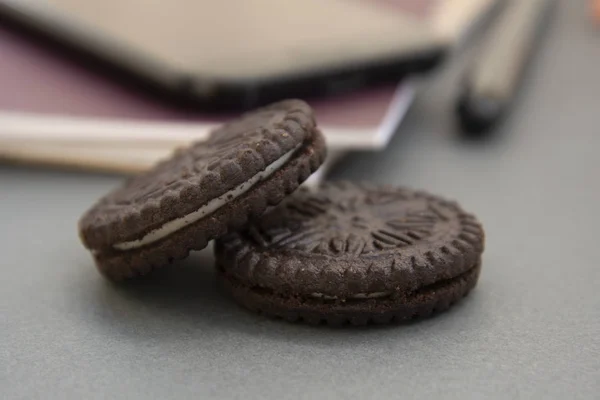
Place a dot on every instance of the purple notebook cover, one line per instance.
(37, 79)
(41, 80)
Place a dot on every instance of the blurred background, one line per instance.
(87, 82)
(84, 83)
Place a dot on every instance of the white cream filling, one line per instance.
(357, 296)
(210, 207)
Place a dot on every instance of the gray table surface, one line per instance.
(530, 329)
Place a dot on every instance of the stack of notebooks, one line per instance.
(55, 112)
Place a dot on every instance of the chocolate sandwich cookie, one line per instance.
(204, 190)
(354, 253)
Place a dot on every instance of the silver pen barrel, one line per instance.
(493, 80)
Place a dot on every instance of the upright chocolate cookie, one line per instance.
(204, 191)
(354, 253)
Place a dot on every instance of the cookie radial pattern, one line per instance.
(371, 246)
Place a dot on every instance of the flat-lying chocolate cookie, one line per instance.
(354, 253)
(204, 191)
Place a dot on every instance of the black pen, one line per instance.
(493, 80)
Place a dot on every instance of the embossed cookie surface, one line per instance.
(203, 191)
(354, 253)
